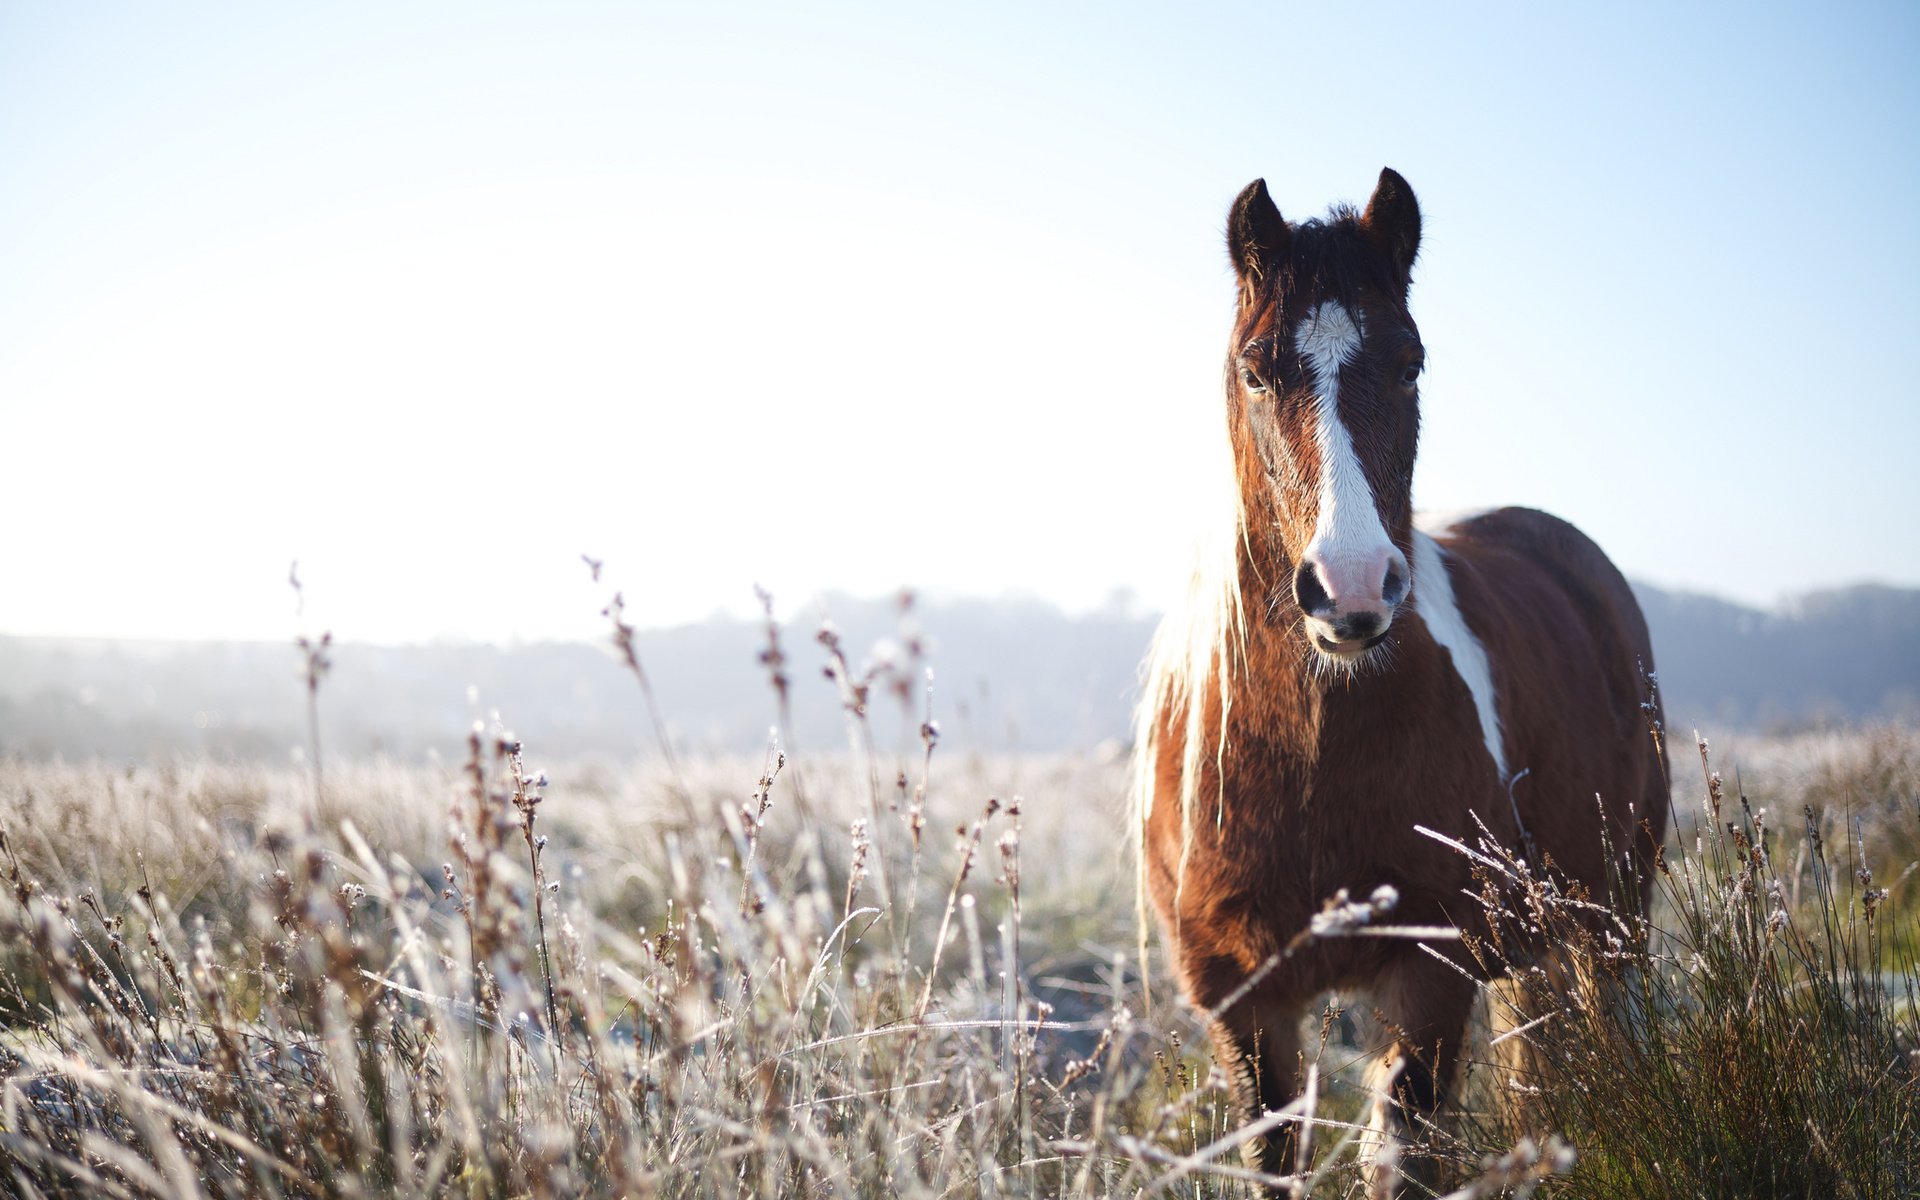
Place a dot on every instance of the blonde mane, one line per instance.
(1194, 654)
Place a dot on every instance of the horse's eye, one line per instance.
(1411, 375)
(1252, 379)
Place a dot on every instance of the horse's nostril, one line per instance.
(1308, 592)
(1395, 588)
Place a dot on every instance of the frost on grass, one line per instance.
(864, 973)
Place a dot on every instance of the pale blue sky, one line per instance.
(435, 297)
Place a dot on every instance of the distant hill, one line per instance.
(1828, 656)
(1009, 674)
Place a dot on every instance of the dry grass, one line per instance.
(865, 973)
(1758, 1034)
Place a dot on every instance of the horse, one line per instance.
(1344, 671)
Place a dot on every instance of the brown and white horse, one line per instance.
(1345, 671)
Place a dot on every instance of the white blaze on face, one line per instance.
(1349, 541)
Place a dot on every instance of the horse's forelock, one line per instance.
(1330, 258)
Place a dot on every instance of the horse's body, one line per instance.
(1343, 674)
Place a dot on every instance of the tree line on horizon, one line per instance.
(1008, 675)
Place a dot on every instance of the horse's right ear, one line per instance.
(1256, 233)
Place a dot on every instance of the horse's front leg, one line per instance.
(1256, 1039)
(1425, 1005)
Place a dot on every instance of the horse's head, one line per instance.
(1323, 400)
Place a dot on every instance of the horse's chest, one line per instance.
(1282, 840)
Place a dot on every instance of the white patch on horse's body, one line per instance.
(1349, 520)
(1433, 597)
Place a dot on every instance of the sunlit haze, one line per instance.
(434, 299)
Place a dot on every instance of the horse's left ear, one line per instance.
(1392, 220)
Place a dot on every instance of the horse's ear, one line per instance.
(1392, 220)
(1256, 233)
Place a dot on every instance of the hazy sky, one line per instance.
(435, 298)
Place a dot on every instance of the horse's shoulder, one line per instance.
(1529, 533)
(1517, 552)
